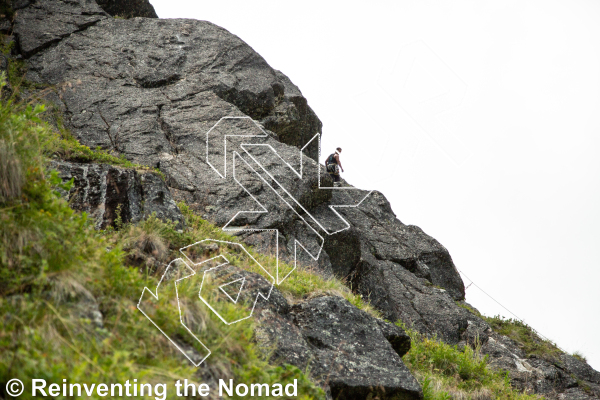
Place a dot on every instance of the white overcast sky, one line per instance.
(480, 122)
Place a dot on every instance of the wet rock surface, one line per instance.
(108, 193)
(152, 90)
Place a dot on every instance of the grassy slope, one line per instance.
(522, 334)
(446, 372)
(52, 261)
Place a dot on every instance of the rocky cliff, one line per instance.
(168, 94)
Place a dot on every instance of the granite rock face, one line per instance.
(172, 62)
(154, 96)
(45, 23)
(5, 25)
(194, 100)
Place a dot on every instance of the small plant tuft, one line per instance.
(578, 355)
(470, 309)
(524, 336)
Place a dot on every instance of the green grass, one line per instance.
(446, 372)
(524, 336)
(37, 227)
(53, 263)
(299, 285)
(578, 355)
(470, 309)
(16, 68)
(68, 148)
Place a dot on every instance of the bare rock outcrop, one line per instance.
(108, 193)
(42, 24)
(351, 354)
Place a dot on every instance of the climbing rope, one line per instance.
(512, 313)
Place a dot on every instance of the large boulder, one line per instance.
(351, 354)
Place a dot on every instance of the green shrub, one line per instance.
(446, 371)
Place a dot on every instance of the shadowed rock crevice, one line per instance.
(164, 127)
(128, 8)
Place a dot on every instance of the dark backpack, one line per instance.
(331, 159)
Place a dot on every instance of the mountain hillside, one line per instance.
(163, 132)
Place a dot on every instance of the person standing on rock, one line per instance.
(333, 165)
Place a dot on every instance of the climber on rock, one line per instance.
(333, 166)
